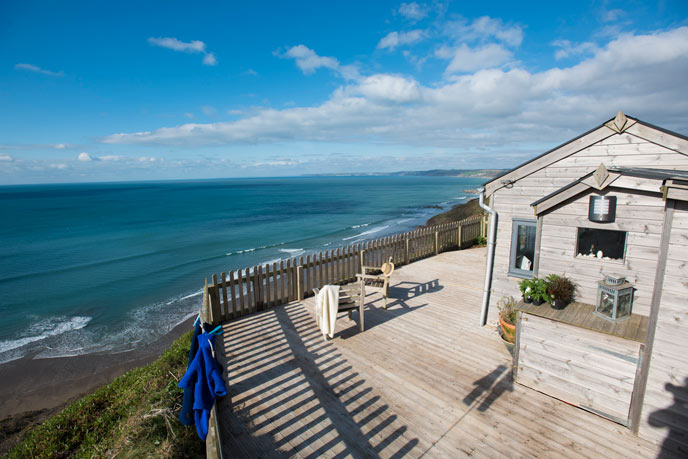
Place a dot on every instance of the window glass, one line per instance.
(522, 248)
(601, 244)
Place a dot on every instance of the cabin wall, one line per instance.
(641, 215)
(514, 202)
(664, 416)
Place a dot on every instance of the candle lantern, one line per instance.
(614, 298)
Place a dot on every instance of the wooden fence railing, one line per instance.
(248, 290)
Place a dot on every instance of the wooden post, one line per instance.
(437, 243)
(225, 314)
(459, 236)
(215, 303)
(361, 255)
(299, 283)
(204, 306)
(407, 250)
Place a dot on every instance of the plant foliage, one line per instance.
(133, 416)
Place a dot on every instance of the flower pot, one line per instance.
(527, 300)
(508, 329)
(558, 304)
(537, 302)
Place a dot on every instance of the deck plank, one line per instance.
(423, 380)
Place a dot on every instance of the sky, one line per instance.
(156, 90)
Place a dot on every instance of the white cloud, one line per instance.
(413, 11)
(209, 59)
(83, 156)
(567, 49)
(489, 110)
(5, 157)
(466, 59)
(388, 88)
(612, 15)
(60, 166)
(394, 39)
(147, 159)
(484, 28)
(60, 146)
(209, 110)
(193, 47)
(309, 61)
(111, 158)
(36, 69)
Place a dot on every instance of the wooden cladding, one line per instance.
(247, 290)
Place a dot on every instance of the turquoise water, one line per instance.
(88, 268)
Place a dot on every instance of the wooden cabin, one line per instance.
(611, 202)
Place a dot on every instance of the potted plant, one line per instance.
(539, 292)
(561, 289)
(507, 318)
(526, 287)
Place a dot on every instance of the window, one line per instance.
(522, 248)
(603, 244)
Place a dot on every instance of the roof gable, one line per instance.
(617, 125)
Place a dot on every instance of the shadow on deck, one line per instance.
(422, 380)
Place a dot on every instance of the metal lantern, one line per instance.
(614, 298)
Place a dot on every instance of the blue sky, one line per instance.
(95, 91)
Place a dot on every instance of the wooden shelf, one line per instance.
(582, 315)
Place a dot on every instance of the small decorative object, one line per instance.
(602, 209)
(561, 289)
(539, 292)
(614, 298)
(599, 254)
(526, 287)
(507, 317)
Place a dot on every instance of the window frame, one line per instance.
(579, 256)
(513, 270)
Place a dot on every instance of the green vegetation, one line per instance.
(457, 213)
(133, 416)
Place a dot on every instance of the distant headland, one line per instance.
(476, 173)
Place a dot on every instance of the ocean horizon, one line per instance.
(109, 267)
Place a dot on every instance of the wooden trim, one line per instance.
(538, 240)
(568, 149)
(663, 139)
(561, 197)
(676, 193)
(517, 345)
(638, 397)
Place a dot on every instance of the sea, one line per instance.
(109, 267)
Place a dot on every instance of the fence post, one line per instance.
(459, 236)
(407, 250)
(361, 255)
(437, 242)
(299, 283)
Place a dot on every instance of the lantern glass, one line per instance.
(625, 302)
(614, 302)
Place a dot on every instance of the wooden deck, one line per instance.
(422, 380)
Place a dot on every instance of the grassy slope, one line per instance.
(134, 416)
(456, 213)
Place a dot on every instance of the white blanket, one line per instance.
(326, 306)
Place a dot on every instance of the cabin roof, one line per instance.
(617, 125)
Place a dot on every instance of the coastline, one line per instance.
(34, 389)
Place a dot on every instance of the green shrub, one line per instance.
(133, 416)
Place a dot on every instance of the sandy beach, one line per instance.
(34, 389)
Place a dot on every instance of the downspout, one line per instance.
(490, 256)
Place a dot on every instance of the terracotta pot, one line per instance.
(508, 329)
